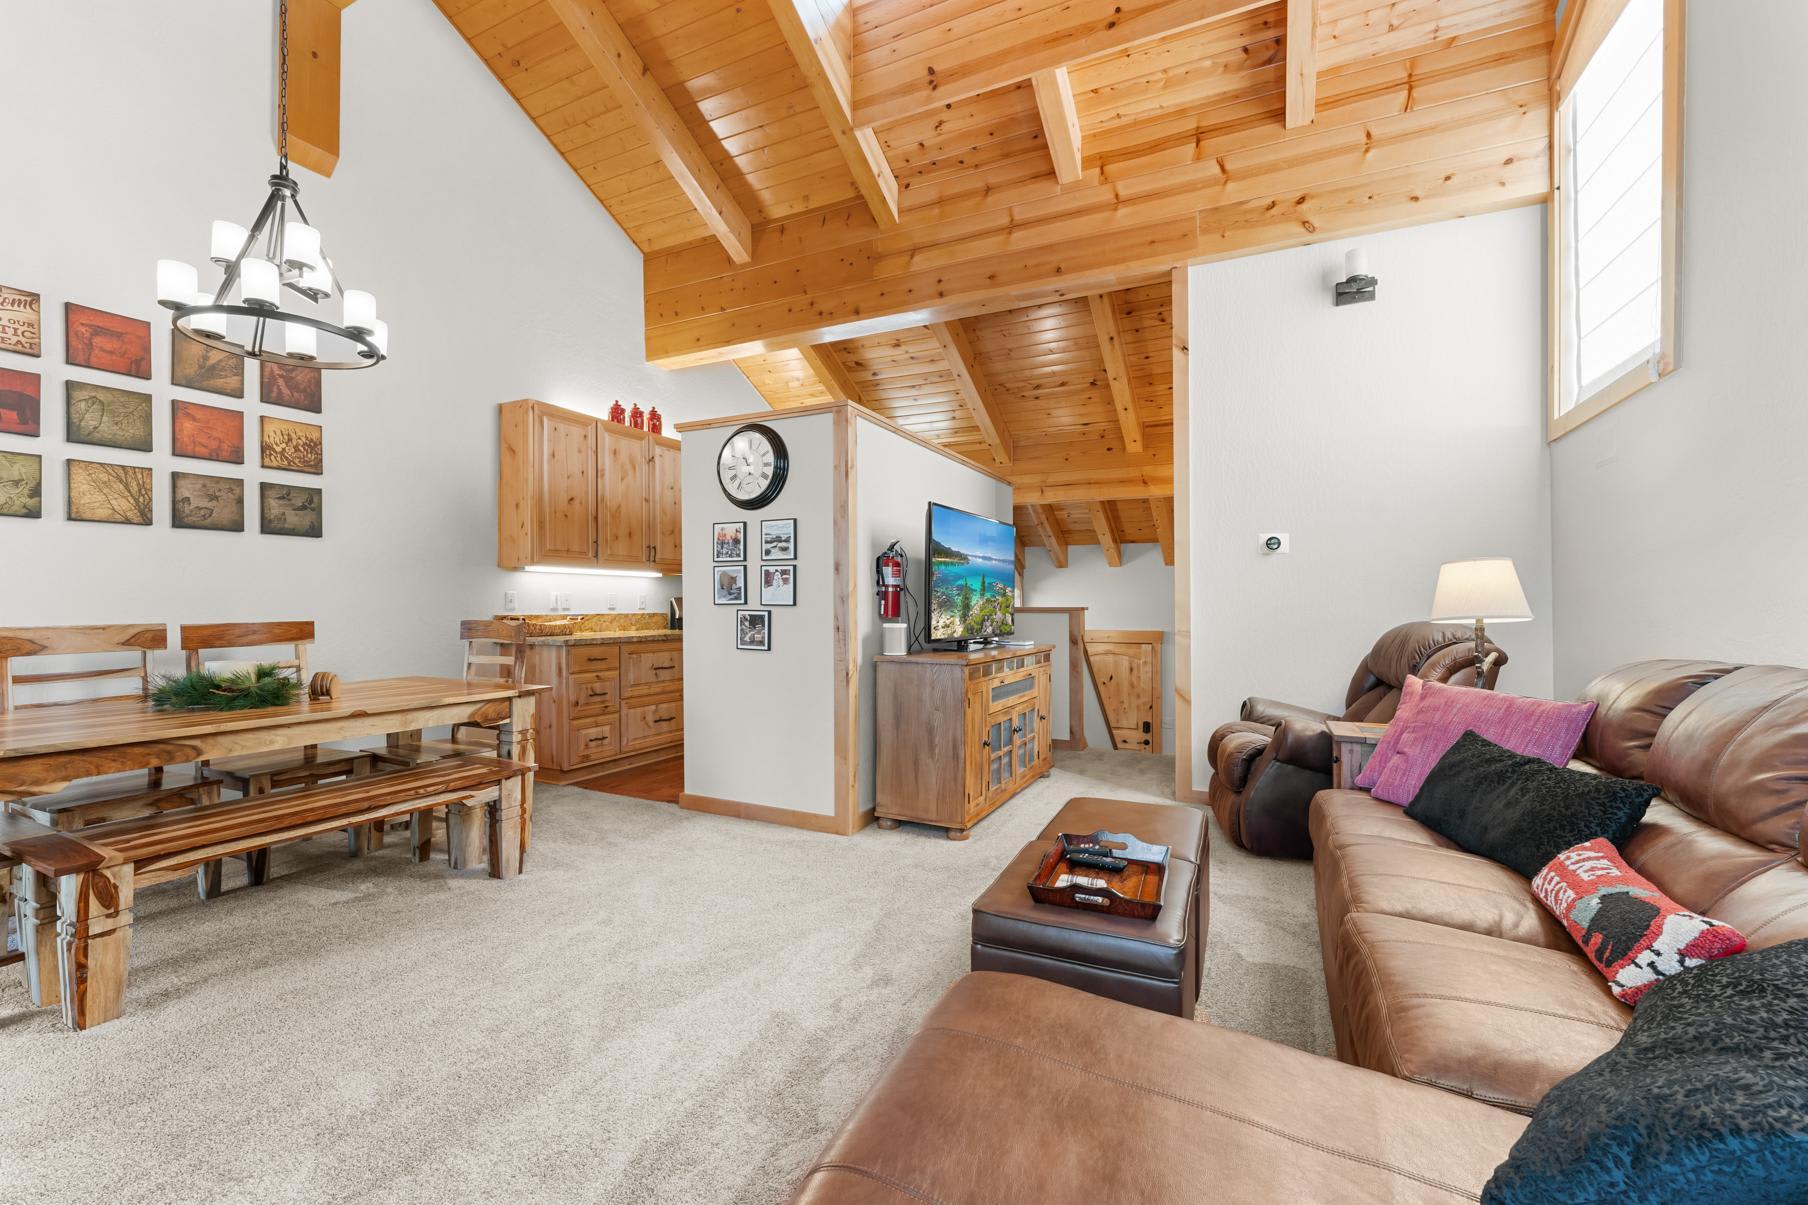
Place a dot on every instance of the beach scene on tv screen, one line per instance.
(972, 575)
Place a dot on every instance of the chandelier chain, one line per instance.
(282, 95)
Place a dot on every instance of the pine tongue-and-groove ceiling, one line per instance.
(1051, 160)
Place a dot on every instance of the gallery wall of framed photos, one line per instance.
(774, 575)
(77, 437)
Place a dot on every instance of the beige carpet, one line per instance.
(669, 1006)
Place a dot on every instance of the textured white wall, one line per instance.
(760, 727)
(500, 276)
(1677, 515)
(1137, 595)
(1385, 438)
(895, 480)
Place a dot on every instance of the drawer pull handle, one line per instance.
(661, 669)
(665, 719)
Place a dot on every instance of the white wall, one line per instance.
(500, 276)
(760, 727)
(1384, 438)
(1677, 514)
(1137, 595)
(895, 480)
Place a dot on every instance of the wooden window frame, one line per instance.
(1585, 25)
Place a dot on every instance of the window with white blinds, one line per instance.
(1610, 226)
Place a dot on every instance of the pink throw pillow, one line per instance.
(1390, 740)
(1541, 728)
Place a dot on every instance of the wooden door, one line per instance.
(1126, 673)
(662, 504)
(565, 509)
(623, 498)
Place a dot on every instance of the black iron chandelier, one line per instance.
(281, 251)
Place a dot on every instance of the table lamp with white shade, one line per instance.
(1480, 591)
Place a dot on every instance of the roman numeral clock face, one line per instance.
(752, 466)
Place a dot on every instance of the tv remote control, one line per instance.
(1095, 861)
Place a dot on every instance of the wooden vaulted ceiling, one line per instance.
(963, 213)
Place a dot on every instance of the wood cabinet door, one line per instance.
(565, 509)
(623, 495)
(662, 505)
(1126, 675)
(649, 725)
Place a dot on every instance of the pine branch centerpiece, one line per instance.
(243, 690)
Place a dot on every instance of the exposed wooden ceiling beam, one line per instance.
(820, 48)
(1164, 527)
(615, 59)
(828, 369)
(898, 71)
(1101, 485)
(957, 348)
(1060, 121)
(1048, 526)
(1356, 170)
(1302, 62)
(1105, 527)
(1117, 371)
(314, 83)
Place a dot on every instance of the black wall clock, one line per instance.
(752, 466)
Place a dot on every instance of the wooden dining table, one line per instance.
(44, 749)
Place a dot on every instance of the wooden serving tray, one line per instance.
(1134, 891)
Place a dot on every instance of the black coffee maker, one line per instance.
(674, 618)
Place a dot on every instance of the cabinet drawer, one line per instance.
(591, 742)
(652, 665)
(592, 658)
(593, 693)
(647, 725)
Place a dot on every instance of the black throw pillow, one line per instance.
(1704, 1098)
(1522, 811)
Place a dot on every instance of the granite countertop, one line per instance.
(581, 637)
(611, 627)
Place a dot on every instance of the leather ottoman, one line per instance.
(1182, 828)
(1152, 964)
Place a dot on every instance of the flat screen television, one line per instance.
(972, 575)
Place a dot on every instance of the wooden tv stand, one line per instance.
(960, 733)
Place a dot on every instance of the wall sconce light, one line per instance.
(1357, 284)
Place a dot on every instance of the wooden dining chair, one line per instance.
(262, 773)
(495, 651)
(112, 796)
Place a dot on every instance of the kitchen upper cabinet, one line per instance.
(576, 490)
(623, 500)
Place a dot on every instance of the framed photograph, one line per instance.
(20, 395)
(292, 447)
(778, 539)
(20, 324)
(731, 585)
(109, 342)
(202, 503)
(729, 542)
(753, 630)
(109, 493)
(21, 485)
(207, 432)
(195, 365)
(293, 385)
(778, 585)
(107, 417)
(289, 510)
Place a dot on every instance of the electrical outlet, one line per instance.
(565, 601)
(643, 601)
(554, 604)
(614, 602)
(508, 600)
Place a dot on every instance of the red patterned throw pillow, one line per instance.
(1634, 933)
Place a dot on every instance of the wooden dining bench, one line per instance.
(97, 869)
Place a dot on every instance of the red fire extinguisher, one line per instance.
(889, 571)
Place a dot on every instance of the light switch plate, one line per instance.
(508, 600)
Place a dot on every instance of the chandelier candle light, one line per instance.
(281, 251)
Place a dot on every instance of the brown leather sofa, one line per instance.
(1267, 765)
(1444, 973)
(1442, 967)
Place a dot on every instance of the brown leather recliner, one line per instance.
(1267, 766)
